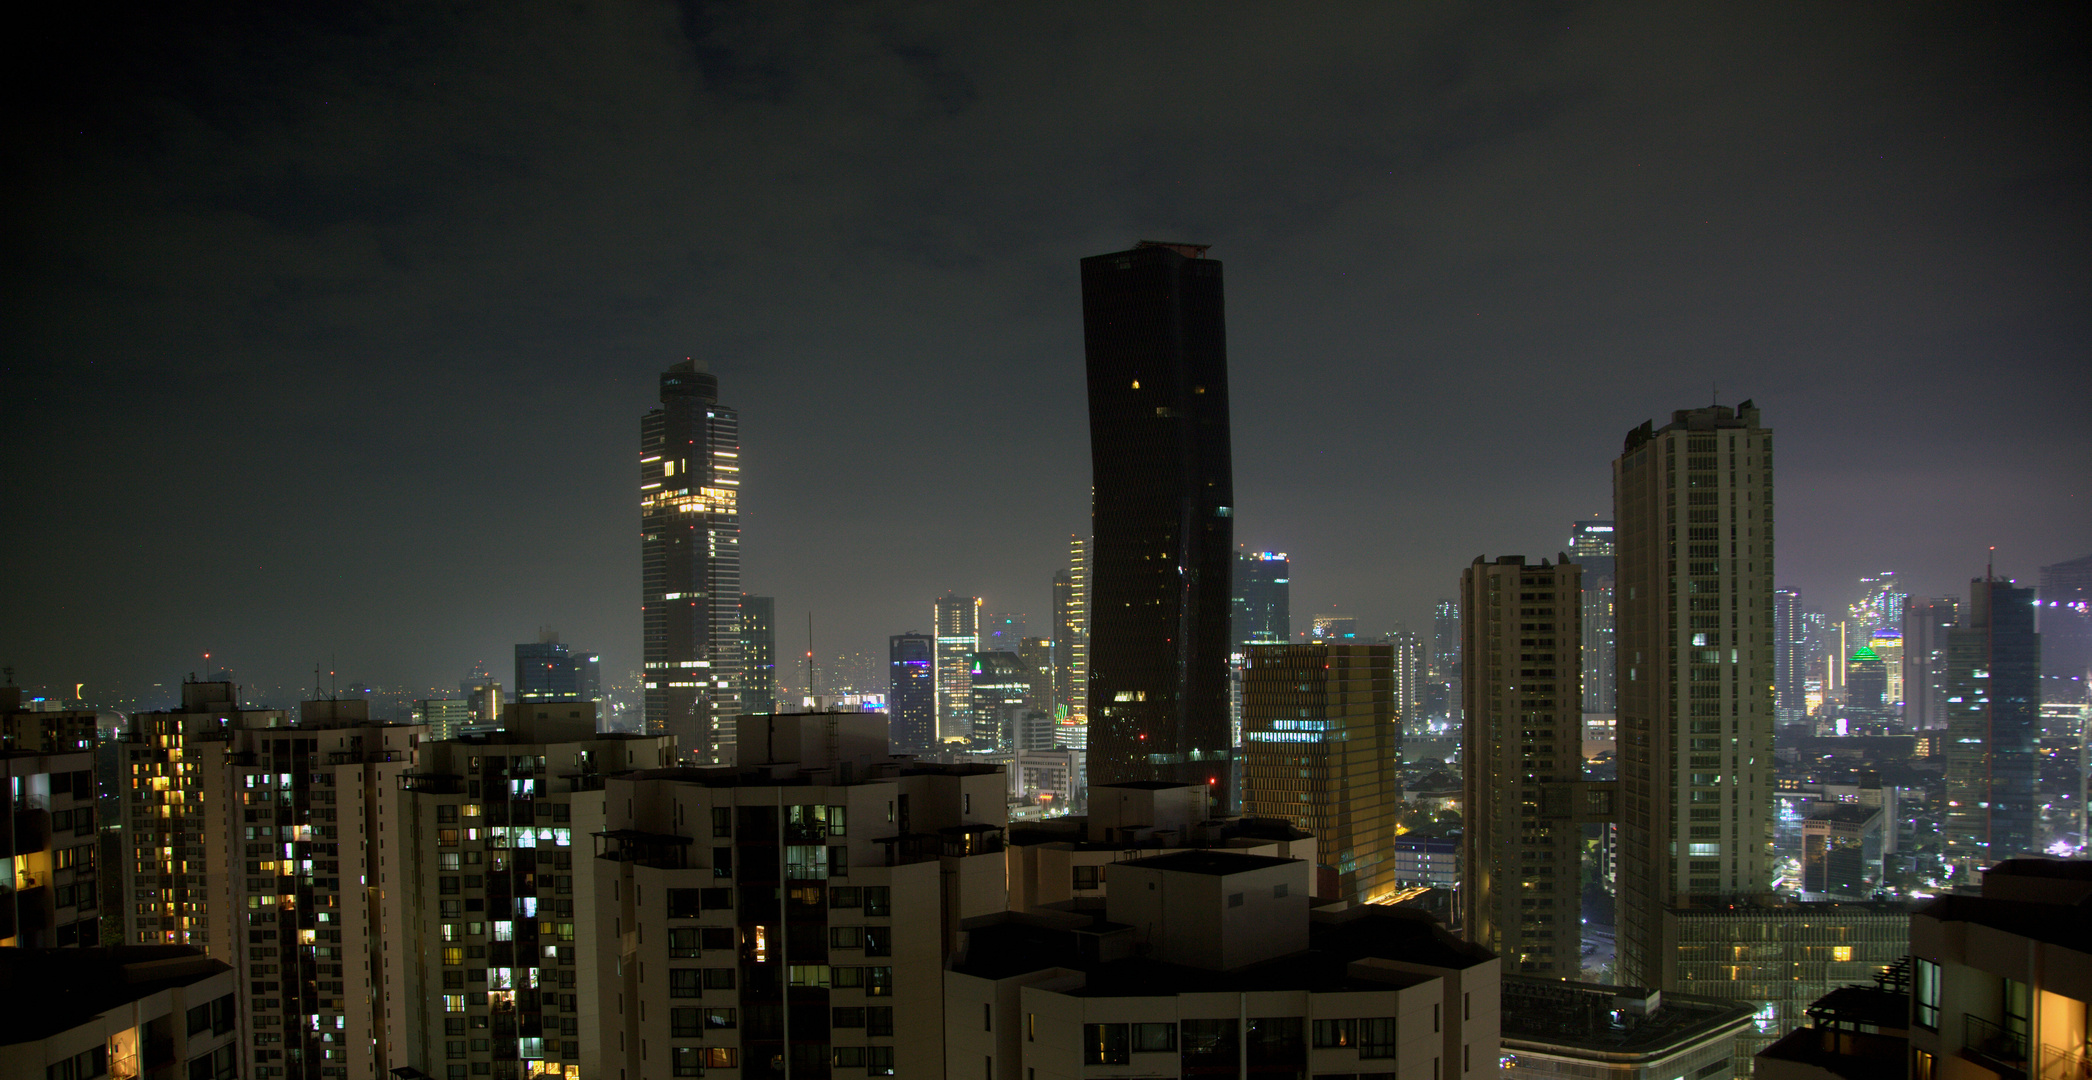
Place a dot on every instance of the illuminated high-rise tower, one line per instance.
(1592, 544)
(1071, 634)
(1789, 655)
(1693, 503)
(958, 620)
(690, 563)
(911, 696)
(1155, 343)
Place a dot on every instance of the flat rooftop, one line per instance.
(1017, 944)
(1573, 1018)
(1208, 861)
(2067, 925)
(47, 991)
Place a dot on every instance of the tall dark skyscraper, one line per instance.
(1262, 601)
(2065, 606)
(1993, 730)
(1927, 620)
(911, 695)
(759, 653)
(690, 563)
(1162, 509)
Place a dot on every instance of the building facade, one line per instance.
(1926, 622)
(1522, 744)
(1790, 664)
(1262, 600)
(1693, 505)
(177, 861)
(911, 696)
(690, 563)
(1071, 635)
(1993, 730)
(2065, 625)
(49, 855)
(958, 620)
(759, 685)
(499, 933)
(1321, 749)
(1591, 543)
(799, 908)
(1162, 488)
(1209, 963)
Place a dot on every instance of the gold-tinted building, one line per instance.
(1321, 746)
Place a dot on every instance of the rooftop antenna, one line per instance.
(813, 689)
(1990, 565)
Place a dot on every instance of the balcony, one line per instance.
(1988, 1044)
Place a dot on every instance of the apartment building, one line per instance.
(796, 908)
(1209, 963)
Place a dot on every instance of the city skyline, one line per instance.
(1625, 196)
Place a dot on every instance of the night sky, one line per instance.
(327, 331)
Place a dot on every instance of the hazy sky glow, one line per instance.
(330, 330)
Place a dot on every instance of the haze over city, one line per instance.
(331, 330)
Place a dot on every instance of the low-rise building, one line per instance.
(1210, 963)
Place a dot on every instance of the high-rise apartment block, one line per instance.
(1993, 730)
(1693, 505)
(759, 653)
(306, 817)
(690, 563)
(1591, 544)
(911, 694)
(958, 620)
(1322, 749)
(177, 862)
(1262, 599)
(498, 923)
(1155, 343)
(1522, 744)
(794, 912)
(1409, 661)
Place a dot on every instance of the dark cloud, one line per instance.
(331, 326)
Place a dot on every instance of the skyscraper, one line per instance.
(1591, 542)
(759, 653)
(1693, 503)
(911, 695)
(1155, 342)
(690, 563)
(1263, 587)
(1993, 730)
(1320, 749)
(1071, 634)
(550, 670)
(1409, 677)
(1926, 621)
(1522, 744)
(2065, 624)
(958, 621)
(1000, 682)
(1789, 656)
